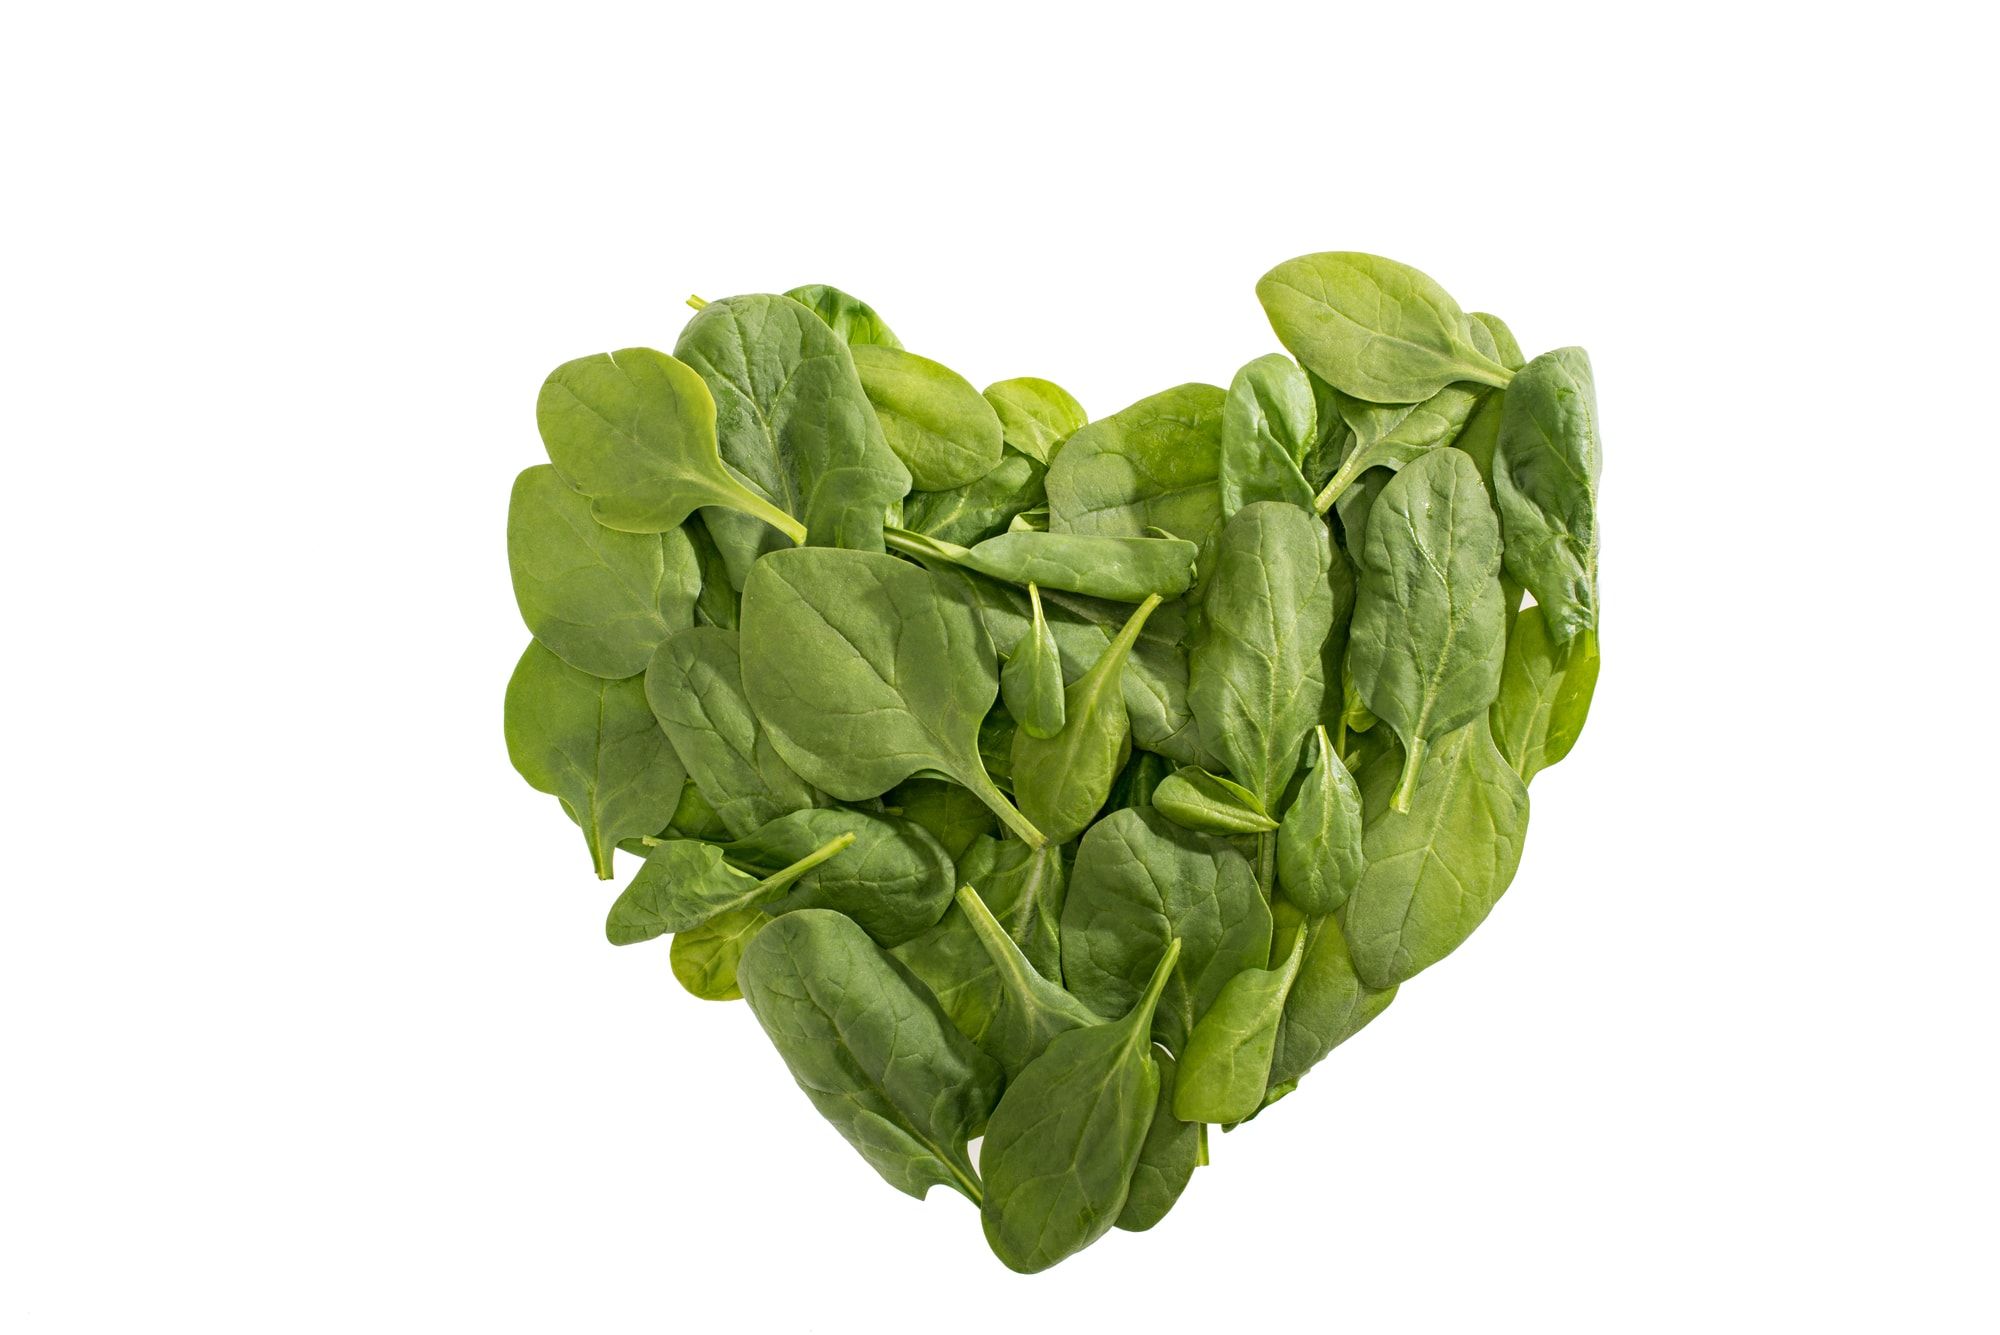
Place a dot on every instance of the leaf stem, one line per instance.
(1406, 787)
(1353, 466)
(779, 880)
(697, 303)
(1010, 816)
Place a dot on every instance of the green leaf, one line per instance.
(1544, 695)
(850, 317)
(1416, 430)
(1061, 1148)
(1255, 680)
(1428, 620)
(864, 673)
(1139, 881)
(695, 688)
(1328, 1003)
(895, 880)
(1031, 680)
(1433, 872)
(1373, 328)
(1227, 1064)
(636, 432)
(792, 418)
(1506, 349)
(1031, 1010)
(953, 815)
(1319, 839)
(705, 957)
(1036, 417)
(936, 422)
(1024, 888)
(1202, 801)
(981, 508)
(1269, 425)
(601, 599)
(716, 604)
(1061, 782)
(870, 1050)
(684, 883)
(1094, 565)
(1546, 470)
(1138, 781)
(1152, 466)
(593, 744)
(1173, 1150)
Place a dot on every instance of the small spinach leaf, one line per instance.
(938, 425)
(1152, 466)
(1319, 839)
(1227, 1064)
(1024, 888)
(1268, 427)
(1036, 416)
(981, 508)
(684, 883)
(1031, 1010)
(1327, 1005)
(1545, 472)
(1093, 565)
(705, 957)
(850, 317)
(1031, 680)
(1544, 696)
(895, 879)
(1202, 801)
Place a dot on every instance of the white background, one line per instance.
(306, 1018)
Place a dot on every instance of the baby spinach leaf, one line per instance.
(1032, 1010)
(1036, 417)
(1354, 506)
(895, 879)
(981, 508)
(694, 818)
(1172, 1151)
(1139, 881)
(791, 416)
(1319, 839)
(684, 883)
(1545, 471)
(1094, 565)
(953, 815)
(1419, 428)
(1202, 801)
(1428, 620)
(870, 1050)
(1506, 349)
(1152, 466)
(1031, 680)
(1228, 1059)
(695, 688)
(601, 599)
(863, 673)
(1138, 781)
(1435, 871)
(1255, 681)
(1373, 328)
(1061, 782)
(593, 744)
(1544, 697)
(1024, 888)
(1062, 1145)
(938, 425)
(1268, 426)
(716, 603)
(705, 957)
(996, 746)
(1327, 1005)
(850, 317)
(636, 432)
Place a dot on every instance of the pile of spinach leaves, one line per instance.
(1061, 786)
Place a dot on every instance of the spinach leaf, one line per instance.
(938, 425)
(953, 815)
(1094, 565)
(1036, 417)
(1428, 619)
(695, 688)
(1373, 328)
(895, 879)
(1031, 680)
(1433, 872)
(592, 744)
(792, 418)
(1268, 426)
(1419, 429)
(716, 603)
(1139, 881)
(1172, 1151)
(863, 673)
(1024, 888)
(684, 883)
(694, 818)
(1506, 349)
(870, 1050)
(1202, 801)
(636, 432)
(1061, 782)
(1255, 681)
(1327, 1005)
(1545, 471)
(1319, 839)
(705, 957)
(1152, 466)
(1062, 1145)
(1138, 781)
(1031, 1010)
(981, 508)
(601, 599)
(1544, 696)
(850, 317)
(1228, 1059)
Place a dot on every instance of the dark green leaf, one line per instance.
(1546, 471)
(1031, 680)
(1172, 1151)
(896, 879)
(1319, 839)
(1227, 1064)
